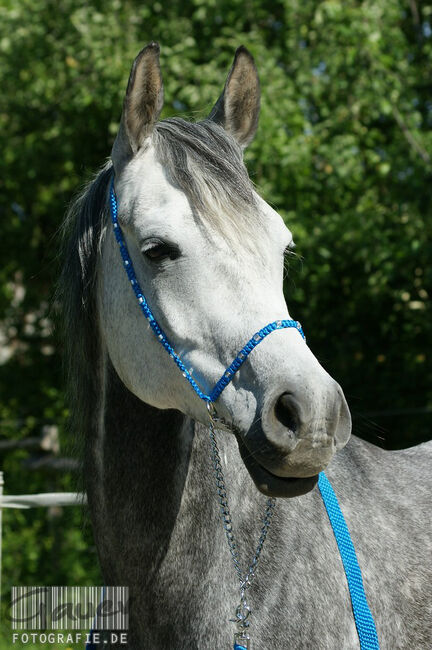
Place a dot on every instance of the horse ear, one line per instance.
(142, 105)
(237, 109)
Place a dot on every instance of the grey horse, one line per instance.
(208, 252)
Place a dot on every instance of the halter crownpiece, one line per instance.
(363, 618)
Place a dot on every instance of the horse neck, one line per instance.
(148, 475)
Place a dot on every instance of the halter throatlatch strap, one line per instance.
(162, 337)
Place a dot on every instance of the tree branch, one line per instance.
(409, 136)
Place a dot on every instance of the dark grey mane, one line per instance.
(82, 229)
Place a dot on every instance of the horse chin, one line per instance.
(272, 485)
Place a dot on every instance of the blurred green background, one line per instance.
(343, 152)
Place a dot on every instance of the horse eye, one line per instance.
(158, 251)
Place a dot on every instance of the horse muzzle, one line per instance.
(295, 439)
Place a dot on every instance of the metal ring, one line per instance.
(242, 612)
(211, 409)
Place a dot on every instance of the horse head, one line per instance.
(208, 252)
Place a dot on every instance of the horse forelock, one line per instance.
(206, 164)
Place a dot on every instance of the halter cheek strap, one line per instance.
(241, 357)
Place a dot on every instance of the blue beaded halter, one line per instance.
(362, 615)
(229, 373)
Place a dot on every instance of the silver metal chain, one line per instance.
(243, 611)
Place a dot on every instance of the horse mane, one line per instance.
(81, 234)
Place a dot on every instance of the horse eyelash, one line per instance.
(289, 249)
(288, 252)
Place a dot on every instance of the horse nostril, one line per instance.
(286, 412)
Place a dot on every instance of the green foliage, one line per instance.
(343, 152)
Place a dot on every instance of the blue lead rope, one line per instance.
(362, 615)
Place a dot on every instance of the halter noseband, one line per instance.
(241, 357)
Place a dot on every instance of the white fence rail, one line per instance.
(36, 501)
(43, 500)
